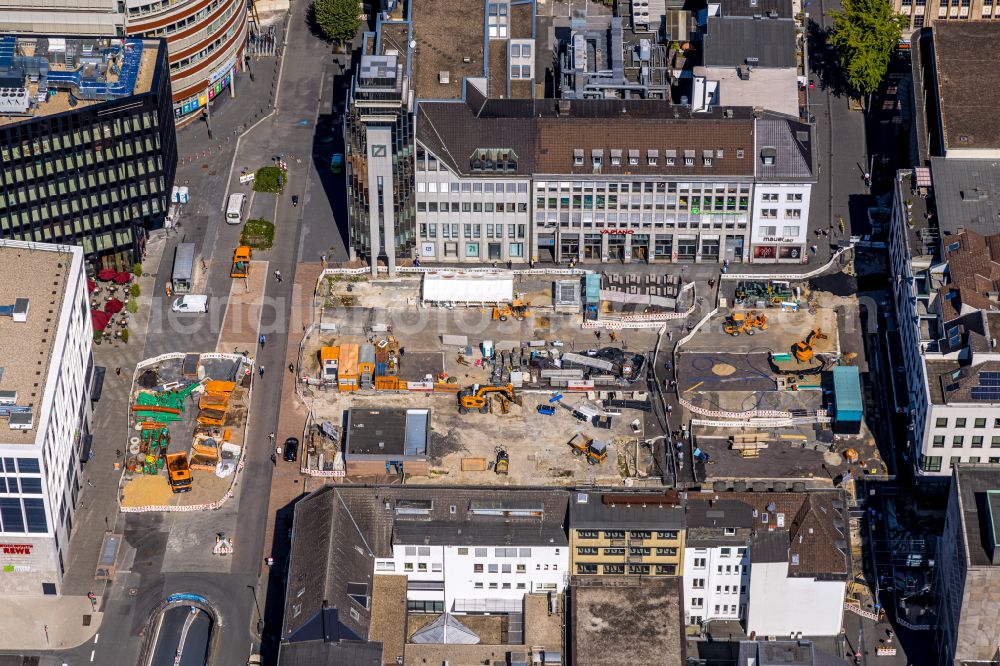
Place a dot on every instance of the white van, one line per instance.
(190, 303)
(234, 211)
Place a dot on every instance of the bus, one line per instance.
(336, 163)
(234, 211)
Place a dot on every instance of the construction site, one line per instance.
(187, 427)
(519, 366)
(771, 387)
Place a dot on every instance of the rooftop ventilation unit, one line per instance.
(18, 312)
(8, 397)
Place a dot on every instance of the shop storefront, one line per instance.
(687, 249)
(778, 254)
(616, 247)
(640, 247)
(220, 80)
(569, 247)
(592, 247)
(663, 248)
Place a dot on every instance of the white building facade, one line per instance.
(41, 459)
(716, 582)
(780, 223)
(476, 579)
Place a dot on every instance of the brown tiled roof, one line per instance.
(546, 137)
(975, 264)
(814, 531)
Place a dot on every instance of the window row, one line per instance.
(430, 230)
(963, 422)
(958, 441)
(471, 207)
(774, 197)
(25, 515)
(933, 463)
(695, 204)
(667, 535)
(85, 136)
(640, 569)
(772, 213)
(644, 186)
(501, 586)
(70, 161)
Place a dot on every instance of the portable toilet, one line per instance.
(347, 367)
(329, 358)
(366, 365)
(848, 406)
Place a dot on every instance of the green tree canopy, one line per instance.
(338, 19)
(865, 34)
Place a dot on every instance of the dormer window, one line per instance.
(578, 157)
(706, 158)
(633, 157)
(652, 157)
(689, 158)
(597, 158)
(671, 157)
(768, 155)
(616, 158)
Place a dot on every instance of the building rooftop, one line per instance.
(627, 511)
(779, 8)
(806, 529)
(310, 653)
(967, 195)
(968, 83)
(35, 284)
(956, 382)
(386, 432)
(792, 145)
(978, 489)
(785, 653)
(448, 43)
(43, 76)
(767, 42)
(774, 89)
(619, 620)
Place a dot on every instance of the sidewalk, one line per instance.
(97, 508)
(47, 623)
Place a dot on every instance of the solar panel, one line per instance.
(989, 393)
(989, 382)
(989, 374)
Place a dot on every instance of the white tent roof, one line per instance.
(469, 287)
(446, 630)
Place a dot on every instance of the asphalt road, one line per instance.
(170, 553)
(184, 634)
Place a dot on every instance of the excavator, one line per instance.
(803, 349)
(477, 397)
(739, 322)
(518, 310)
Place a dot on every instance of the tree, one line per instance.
(338, 19)
(865, 33)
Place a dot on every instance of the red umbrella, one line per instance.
(124, 277)
(113, 306)
(107, 274)
(101, 319)
(91, 286)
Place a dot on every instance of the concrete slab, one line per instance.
(243, 311)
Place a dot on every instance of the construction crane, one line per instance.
(476, 396)
(803, 349)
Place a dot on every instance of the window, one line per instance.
(790, 231)
(770, 196)
(493, 586)
(408, 566)
(793, 213)
(724, 552)
(794, 196)
(930, 463)
(385, 566)
(477, 568)
(958, 441)
(977, 441)
(521, 568)
(480, 552)
(422, 566)
(667, 535)
(980, 423)
(995, 442)
(700, 563)
(943, 423)
(493, 568)
(463, 551)
(954, 460)
(974, 459)
(698, 583)
(938, 442)
(505, 568)
(769, 214)
(577, 158)
(478, 586)
(729, 531)
(697, 602)
(959, 423)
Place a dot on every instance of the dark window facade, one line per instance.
(98, 176)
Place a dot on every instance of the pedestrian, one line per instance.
(118, 453)
(291, 368)
(510, 264)
(598, 334)
(260, 371)
(670, 336)
(118, 371)
(90, 483)
(274, 458)
(531, 264)
(261, 340)
(494, 264)
(670, 408)
(277, 275)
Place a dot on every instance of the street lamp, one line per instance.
(260, 620)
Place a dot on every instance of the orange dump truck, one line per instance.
(178, 472)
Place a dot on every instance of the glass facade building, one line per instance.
(84, 164)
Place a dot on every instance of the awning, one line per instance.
(98, 384)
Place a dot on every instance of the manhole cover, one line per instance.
(133, 591)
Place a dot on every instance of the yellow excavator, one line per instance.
(803, 349)
(477, 397)
(518, 310)
(739, 322)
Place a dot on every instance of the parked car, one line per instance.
(291, 452)
(548, 410)
(190, 303)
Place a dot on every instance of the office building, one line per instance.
(457, 151)
(44, 409)
(922, 14)
(87, 141)
(206, 40)
(967, 588)
(716, 559)
(626, 534)
(943, 248)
